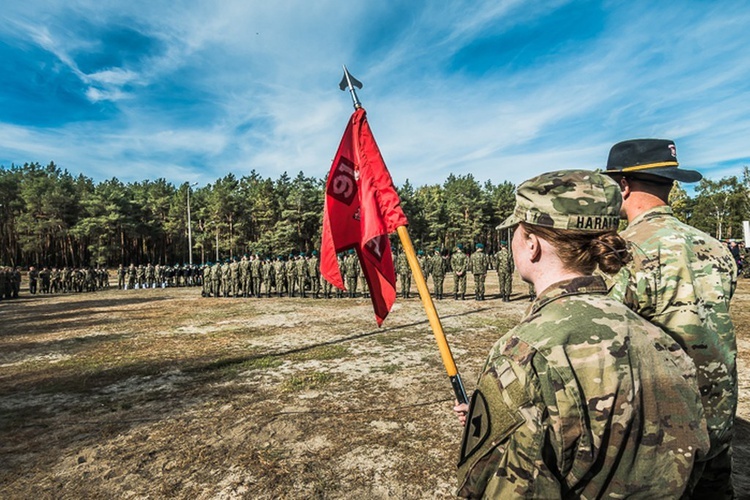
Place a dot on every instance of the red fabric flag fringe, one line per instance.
(361, 209)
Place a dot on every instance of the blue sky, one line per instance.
(506, 89)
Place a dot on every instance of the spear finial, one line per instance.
(349, 81)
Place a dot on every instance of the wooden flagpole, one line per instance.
(432, 316)
(424, 293)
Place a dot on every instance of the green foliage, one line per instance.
(467, 208)
(681, 204)
(720, 207)
(49, 217)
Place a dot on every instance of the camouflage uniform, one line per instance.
(363, 281)
(161, 277)
(169, 275)
(56, 280)
(504, 267)
(67, 279)
(424, 264)
(141, 275)
(341, 261)
(404, 274)
(255, 274)
(226, 283)
(33, 277)
(313, 272)
(90, 279)
(15, 282)
(682, 280)
(438, 268)
(206, 292)
(479, 265)
(266, 271)
(150, 276)
(216, 280)
(301, 271)
(245, 276)
(234, 278)
(291, 276)
(327, 288)
(459, 264)
(351, 273)
(4, 283)
(45, 279)
(279, 272)
(586, 400)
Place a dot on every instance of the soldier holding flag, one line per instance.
(584, 398)
(361, 209)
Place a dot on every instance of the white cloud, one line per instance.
(243, 85)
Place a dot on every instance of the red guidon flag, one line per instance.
(361, 209)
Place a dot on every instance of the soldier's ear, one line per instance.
(534, 245)
(624, 187)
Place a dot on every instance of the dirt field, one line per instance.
(164, 394)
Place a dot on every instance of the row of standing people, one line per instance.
(296, 275)
(461, 264)
(158, 276)
(49, 280)
(299, 275)
(10, 282)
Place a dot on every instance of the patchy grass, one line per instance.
(321, 353)
(388, 369)
(307, 381)
(164, 394)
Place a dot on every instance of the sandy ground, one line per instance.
(164, 394)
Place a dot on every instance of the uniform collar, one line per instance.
(651, 213)
(574, 286)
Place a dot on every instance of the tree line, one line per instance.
(50, 217)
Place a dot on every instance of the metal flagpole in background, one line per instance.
(190, 232)
(424, 293)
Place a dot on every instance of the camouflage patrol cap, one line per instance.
(568, 199)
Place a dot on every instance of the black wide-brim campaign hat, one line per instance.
(651, 157)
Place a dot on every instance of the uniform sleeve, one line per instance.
(635, 286)
(505, 437)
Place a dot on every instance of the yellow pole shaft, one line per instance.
(429, 305)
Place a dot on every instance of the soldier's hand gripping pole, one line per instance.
(429, 307)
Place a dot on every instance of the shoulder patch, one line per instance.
(493, 416)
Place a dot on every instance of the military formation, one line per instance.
(53, 280)
(298, 275)
(256, 276)
(460, 264)
(10, 282)
(142, 276)
(295, 275)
